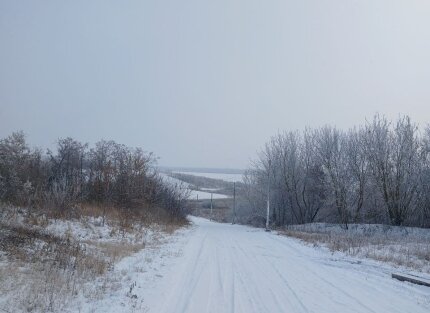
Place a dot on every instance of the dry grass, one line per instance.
(400, 249)
(45, 268)
(115, 251)
(127, 219)
(43, 272)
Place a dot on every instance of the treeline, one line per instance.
(108, 175)
(376, 173)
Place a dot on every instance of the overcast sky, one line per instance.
(206, 83)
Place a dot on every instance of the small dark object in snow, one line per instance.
(412, 279)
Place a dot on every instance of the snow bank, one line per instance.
(407, 247)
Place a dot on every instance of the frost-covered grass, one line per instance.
(46, 264)
(401, 246)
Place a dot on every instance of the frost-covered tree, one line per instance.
(376, 173)
(394, 158)
(108, 175)
(424, 185)
(14, 154)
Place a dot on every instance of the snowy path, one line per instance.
(227, 268)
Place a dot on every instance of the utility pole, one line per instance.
(211, 205)
(268, 196)
(234, 202)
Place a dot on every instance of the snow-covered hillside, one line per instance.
(194, 194)
(69, 265)
(221, 176)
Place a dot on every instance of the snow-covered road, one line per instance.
(232, 268)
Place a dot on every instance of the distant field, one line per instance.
(203, 195)
(223, 176)
(194, 194)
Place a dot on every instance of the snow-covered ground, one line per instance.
(219, 268)
(203, 195)
(222, 176)
(399, 245)
(194, 194)
(77, 265)
(128, 287)
(213, 267)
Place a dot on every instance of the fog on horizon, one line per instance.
(205, 84)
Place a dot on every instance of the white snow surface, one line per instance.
(222, 176)
(219, 268)
(203, 195)
(194, 194)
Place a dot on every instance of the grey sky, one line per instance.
(206, 83)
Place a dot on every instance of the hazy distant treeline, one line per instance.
(108, 174)
(376, 173)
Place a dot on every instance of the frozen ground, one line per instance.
(129, 287)
(78, 265)
(231, 268)
(213, 267)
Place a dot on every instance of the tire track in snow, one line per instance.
(306, 264)
(186, 283)
(266, 280)
(228, 268)
(269, 267)
(333, 286)
(240, 280)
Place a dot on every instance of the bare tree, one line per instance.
(14, 153)
(358, 169)
(67, 171)
(332, 150)
(377, 173)
(424, 183)
(296, 179)
(394, 160)
(109, 175)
